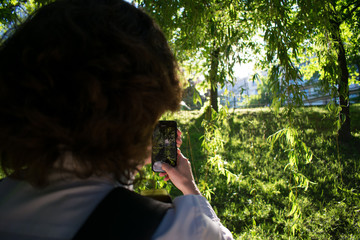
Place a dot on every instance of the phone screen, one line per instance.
(164, 145)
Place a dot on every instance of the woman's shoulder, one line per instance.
(191, 217)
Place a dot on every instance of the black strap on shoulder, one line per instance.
(123, 214)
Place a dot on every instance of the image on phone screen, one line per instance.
(164, 145)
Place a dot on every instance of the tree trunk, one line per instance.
(343, 88)
(213, 79)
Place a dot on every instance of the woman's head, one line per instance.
(87, 76)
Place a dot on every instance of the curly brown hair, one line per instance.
(90, 77)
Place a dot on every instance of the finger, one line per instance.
(178, 139)
(178, 142)
(162, 174)
(167, 168)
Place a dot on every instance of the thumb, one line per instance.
(166, 167)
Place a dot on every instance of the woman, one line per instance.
(82, 85)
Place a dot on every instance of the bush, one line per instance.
(262, 199)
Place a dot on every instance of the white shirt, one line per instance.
(58, 211)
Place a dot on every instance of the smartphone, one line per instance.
(164, 147)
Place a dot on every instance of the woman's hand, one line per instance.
(181, 175)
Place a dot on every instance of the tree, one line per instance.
(342, 13)
(296, 31)
(12, 12)
(8, 11)
(210, 33)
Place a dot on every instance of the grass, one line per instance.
(265, 202)
(259, 205)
